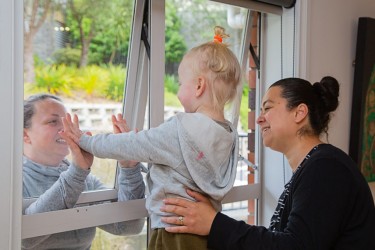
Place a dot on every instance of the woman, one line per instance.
(327, 204)
(58, 183)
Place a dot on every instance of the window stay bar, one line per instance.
(144, 32)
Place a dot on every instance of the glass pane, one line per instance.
(190, 23)
(77, 50)
(104, 240)
(92, 238)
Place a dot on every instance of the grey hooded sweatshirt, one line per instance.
(190, 150)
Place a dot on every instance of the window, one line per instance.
(149, 93)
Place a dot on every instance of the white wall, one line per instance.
(332, 46)
(331, 50)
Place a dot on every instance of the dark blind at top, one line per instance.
(282, 3)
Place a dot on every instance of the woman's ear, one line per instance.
(26, 138)
(201, 86)
(301, 112)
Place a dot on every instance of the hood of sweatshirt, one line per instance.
(37, 177)
(210, 152)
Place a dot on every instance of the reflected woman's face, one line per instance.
(42, 143)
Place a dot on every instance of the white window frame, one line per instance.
(11, 111)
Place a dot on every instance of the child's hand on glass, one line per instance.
(71, 128)
(120, 126)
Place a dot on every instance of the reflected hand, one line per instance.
(71, 135)
(192, 217)
(120, 126)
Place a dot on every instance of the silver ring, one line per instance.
(181, 220)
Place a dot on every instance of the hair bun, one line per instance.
(328, 91)
(219, 34)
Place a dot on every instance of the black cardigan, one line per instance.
(330, 207)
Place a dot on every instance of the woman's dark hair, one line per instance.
(29, 107)
(321, 98)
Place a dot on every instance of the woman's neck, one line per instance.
(299, 150)
(43, 160)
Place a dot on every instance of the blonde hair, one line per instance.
(219, 34)
(221, 68)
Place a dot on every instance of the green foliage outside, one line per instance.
(53, 79)
(105, 82)
(92, 81)
(104, 240)
(191, 13)
(175, 46)
(67, 56)
(244, 110)
(115, 89)
(108, 25)
(111, 31)
(171, 84)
